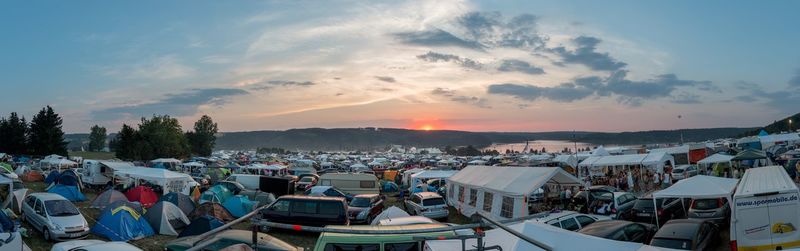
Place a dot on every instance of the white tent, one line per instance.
(716, 158)
(430, 174)
(773, 139)
(477, 162)
(567, 159)
(682, 149)
(699, 187)
(390, 213)
(170, 181)
(502, 192)
(654, 161)
(407, 174)
(556, 238)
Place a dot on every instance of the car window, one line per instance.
(332, 193)
(367, 184)
(39, 208)
(280, 206)
(570, 224)
(672, 243)
(556, 224)
(31, 201)
(304, 207)
(331, 208)
(635, 232)
(408, 246)
(619, 235)
(351, 247)
(584, 220)
(415, 199)
(433, 202)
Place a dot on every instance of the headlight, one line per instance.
(58, 227)
(362, 214)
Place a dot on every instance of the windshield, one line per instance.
(360, 202)
(672, 243)
(646, 203)
(706, 204)
(433, 202)
(60, 208)
(677, 170)
(306, 179)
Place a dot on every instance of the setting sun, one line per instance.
(426, 127)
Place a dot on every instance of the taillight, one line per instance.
(693, 204)
(720, 202)
(613, 210)
(660, 211)
(733, 246)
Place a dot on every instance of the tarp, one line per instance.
(182, 201)
(716, 158)
(558, 239)
(71, 193)
(143, 195)
(201, 225)
(262, 198)
(212, 209)
(122, 224)
(239, 205)
(390, 213)
(164, 217)
(106, 198)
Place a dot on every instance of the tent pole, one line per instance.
(655, 210)
(684, 208)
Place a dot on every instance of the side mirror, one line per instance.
(39, 211)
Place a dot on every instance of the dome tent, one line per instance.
(213, 209)
(70, 192)
(239, 205)
(201, 225)
(142, 194)
(133, 205)
(164, 217)
(217, 193)
(122, 224)
(106, 198)
(184, 202)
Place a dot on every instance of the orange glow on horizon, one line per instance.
(426, 127)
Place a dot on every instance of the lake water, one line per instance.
(550, 145)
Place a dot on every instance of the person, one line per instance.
(667, 180)
(656, 179)
(567, 196)
(603, 208)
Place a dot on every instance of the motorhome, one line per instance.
(99, 173)
(352, 183)
(765, 211)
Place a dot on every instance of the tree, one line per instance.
(161, 137)
(203, 139)
(46, 136)
(124, 143)
(97, 138)
(13, 135)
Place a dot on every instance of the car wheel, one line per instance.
(46, 234)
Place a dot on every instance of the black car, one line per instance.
(581, 200)
(687, 234)
(307, 211)
(621, 230)
(667, 209)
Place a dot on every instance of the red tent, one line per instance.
(143, 195)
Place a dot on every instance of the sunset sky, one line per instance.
(462, 65)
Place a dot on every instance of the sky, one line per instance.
(456, 65)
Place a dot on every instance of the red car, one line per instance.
(364, 207)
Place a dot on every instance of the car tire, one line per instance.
(46, 235)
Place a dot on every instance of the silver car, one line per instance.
(56, 217)
(428, 204)
(717, 210)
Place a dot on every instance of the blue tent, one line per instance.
(390, 187)
(52, 177)
(763, 133)
(239, 205)
(122, 224)
(201, 225)
(68, 178)
(70, 192)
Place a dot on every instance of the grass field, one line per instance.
(36, 241)
(93, 155)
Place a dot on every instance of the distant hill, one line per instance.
(777, 126)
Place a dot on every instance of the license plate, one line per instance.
(74, 235)
(643, 214)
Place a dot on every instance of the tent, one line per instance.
(239, 205)
(699, 187)
(7, 167)
(389, 187)
(213, 209)
(488, 188)
(596, 165)
(259, 197)
(170, 181)
(136, 206)
(417, 178)
(182, 201)
(164, 217)
(217, 193)
(142, 194)
(52, 177)
(69, 192)
(68, 178)
(106, 198)
(122, 224)
(31, 176)
(390, 213)
(201, 225)
(556, 238)
(749, 154)
(19, 196)
(716, 158)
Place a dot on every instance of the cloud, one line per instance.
(440, 57)
(443, 92)
(386, 79)
(161, 68)
(435, 38)
(686, 99)
(266, 85)
(182, 104)
(586, 54)
(511, 65)
(453, 96)
(628, 92)
(795, 81)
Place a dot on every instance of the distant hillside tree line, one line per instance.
(42, 136)
(784, 125)
(162, 137)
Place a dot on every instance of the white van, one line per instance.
(765, 211)
(249, 181)
(98, 173)
(352, 183)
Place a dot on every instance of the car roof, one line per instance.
(603, 228)
(408, 220)
(384, 237)
(680, 229)
(369, 195)
(48, 196)
(427, 195)
(303, 197)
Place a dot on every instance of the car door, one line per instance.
(27, 209)
(377, 206)
(584, 220)
(569, 224)
(278, 211)
(636, 233)
(39, 214)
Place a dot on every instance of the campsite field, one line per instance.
(36, 241)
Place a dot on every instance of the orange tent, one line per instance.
(32, 176)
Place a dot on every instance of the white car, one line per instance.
(93, 245)
(570, 220)
(55, 216)
(428, 204)
(683, 171)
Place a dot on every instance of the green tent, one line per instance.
(749, 154)
(7, 167)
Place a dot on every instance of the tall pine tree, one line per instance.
(46, 136)
(203, 139)
(125, 142)
(97, 138)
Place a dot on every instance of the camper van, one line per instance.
(765, 211)
(98, 173)
(352, 183)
